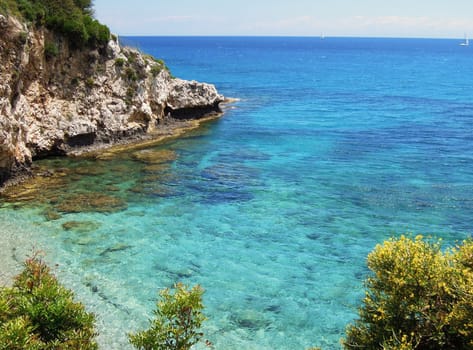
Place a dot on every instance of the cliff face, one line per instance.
(54, 99)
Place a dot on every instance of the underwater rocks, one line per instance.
(43, 188)
(81, 226)
(250, 319)
(91, 202)
(153, 157)
(51, 215)
(51, 189)
(115, 248)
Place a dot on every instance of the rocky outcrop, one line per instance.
(55, 99)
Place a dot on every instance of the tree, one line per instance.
(417, 297)
(178, 317)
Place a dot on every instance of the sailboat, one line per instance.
(466, 42)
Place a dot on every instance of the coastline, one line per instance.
(164, 134)
(14, 252)
(173, 129)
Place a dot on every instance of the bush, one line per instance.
(417, 298)
(131, 74)
(98, 34)
(9, 7)
(90, 82)
(120, 62)
(156, 69)
(178, 319)
(39, 313)
(50, 49)
(71, 18)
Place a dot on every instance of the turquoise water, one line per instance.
(334, 146)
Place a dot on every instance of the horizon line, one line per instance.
(321, 37)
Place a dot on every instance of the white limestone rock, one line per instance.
(51, 106)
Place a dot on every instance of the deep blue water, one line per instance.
(334, 146)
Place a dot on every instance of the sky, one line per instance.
(362, 18)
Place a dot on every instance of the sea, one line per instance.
(333, 146)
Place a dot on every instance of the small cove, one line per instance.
(334, 147)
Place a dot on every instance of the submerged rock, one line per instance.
(155, 190)
(250, 319)
(116, 248)
(52, 215)
(156, 168)
(152, 156)
(91, 202)
(91, 170)
(81, 226)
(38, 189)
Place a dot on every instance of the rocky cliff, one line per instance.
(55, 99)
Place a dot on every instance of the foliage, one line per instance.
(50, 49)
(9, 7)
(418, 297)
(90, 82)
(71, 18)
(177, 322)
(23, 37)
(156, 69)
(38, 313)
(131, 74)
(120, 62)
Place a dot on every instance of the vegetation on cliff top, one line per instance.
(71, 18)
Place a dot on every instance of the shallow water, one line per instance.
(335, 146)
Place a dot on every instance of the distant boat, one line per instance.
(466, 42)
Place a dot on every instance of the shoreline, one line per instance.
(173, 129)
(10, 261)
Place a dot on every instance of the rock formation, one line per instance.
(55, 99)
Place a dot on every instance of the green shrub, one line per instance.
(70, 18)
(177, 322)
(417, 298)
(131, 74)
(90, 82)
(84, 5)
(98, 34)
(31, 11)
(120, 62)
(132, 57)
(23, 37)
(50, 49)
(39, 313)
(9, 7)
(156, 69)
